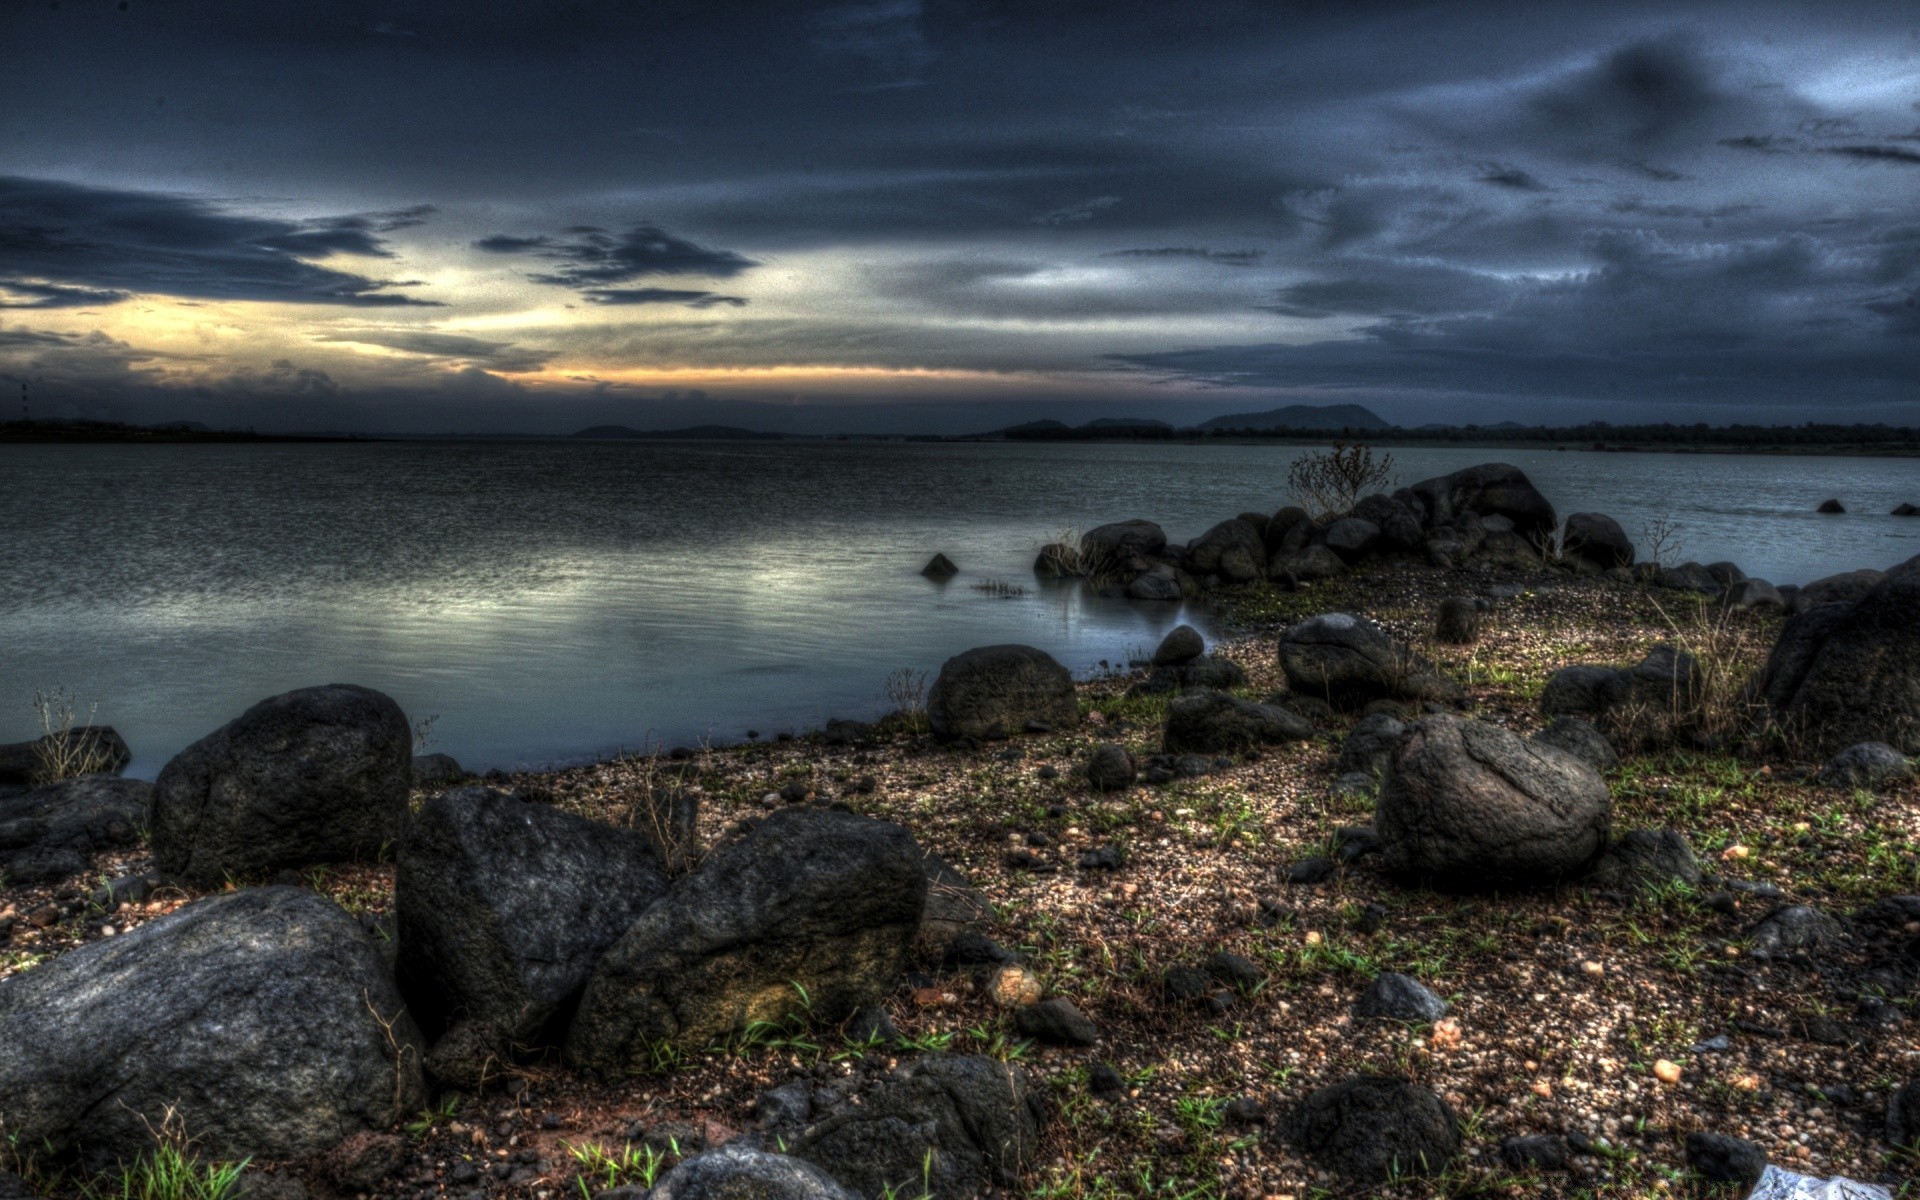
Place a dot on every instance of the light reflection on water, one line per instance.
(553, 601)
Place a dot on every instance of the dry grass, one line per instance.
(67, 749)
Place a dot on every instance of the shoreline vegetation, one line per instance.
(1480, 857)
(1811, 439)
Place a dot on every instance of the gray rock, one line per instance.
(1280, 525)
(788, 1106)
(1370, 746)
(1470, 805)
(469, 1057)
(1583, 691)
(1203, 672)
(1831, 506)
(1844, 588)
(47, 834)
(1368, 1130)
(739, 1172)
(312, 776)
(1234, 550)
(1535, 1152)
(1487, 490)
(940, 567)
(1399, 527)
(1842, 674)
(1158, 582)
(505, 906)
(1307, 564)
(1110, 768)
(1688, 577)
(1210, 722)
(1598, 539)
(1182, 644)
(812, 913)
(1349, 661)
(1791, 929)
(23, 762)
(1120, 540)
(1458, 623)
(436, 770)
(954, 907)
(1745, 595)
(1646, 858)
(1056, 1021)
(1903, 1117)
(1869, 765)
(1720, 1158)
(1351, 538)
(1396, 997)
(953, 1125)
(1580, 738)
(263, 1019)
(1237, 971)
(997, 691)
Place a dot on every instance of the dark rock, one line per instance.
(364, 1160)
(872, 1025)
(1185, 985)
(1906, 510)
(262, 1020)
(1598, 539)
(996, 691)
(1351, 538)
(128, 889)
(1102, 858)
(1110, 768)
(1688, 577)
(737, 1171)
(1210, 722)
(1357, 784)
(312, 776)
(975, 949)
(1748, 594)
(1398, 525)
(1471, 805)
(1796, 928)
(1719, 1158)
(1234, 550)
(939, 567)
(840, 732)
(505, 906)
(1644, 859)
(1579, 737)
(1307, 564)
(1831, 506)
(788, 1106)
(101, 746)
(1584, 691)
(1314, 869)
(1159, 582)
(1370, 745)
(1396, 997)
(1235, 970)
(1903, 1117)
(1243, 1110)
(954, 907)
(1203, 672)
(47, 834)
(1349, 661)
(1458, 623)
(1056, 1021)
(1351, 842)
(1103, 1080)
(815, 911)
(1283, 523)
(1842, 674)
(1869, 765)
(436, 770)
(1535, 1152)
(258, 1183)
(469, 1056)
(1120, 540)
(1844, 588)
(1487, 490)
(1182, 645)
(953, 1125)
(1369, 1129)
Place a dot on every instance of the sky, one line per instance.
(949, 216)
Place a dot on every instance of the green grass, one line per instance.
(630, 1164)
(169, 1173)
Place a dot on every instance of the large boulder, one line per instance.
(1842, 674)
(996, 691)
(1869, 765)
(1597, 539)
(1182, 645)
(262, 1020)
(1491, 489)
(1106, 544)
(48, 834)
(1203, 672)
(1470, 805)
(1646, 703)
(98, 748)
(1349, 661)
(948, 1127)
(1210, 722)
(1370, 1130)
(1398, 525)
(737, 1171)
(1281, 525)
(1844, 588)
(1370, 745)
(1233, 550)
(313, 776)
(1307, 564)
(505, 906)
(1645, 860)
(1745, 595)
(812, 913)
(1352, 538)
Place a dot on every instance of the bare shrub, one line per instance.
(64, 751)
(1662, 538)
(906, 693)
(1329, 482)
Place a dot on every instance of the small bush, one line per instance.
(1329, 482)
(906, 693)
(66, 752)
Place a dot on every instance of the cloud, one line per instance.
(654, 295)
(1511, 177)
(50, 295)
(1648, 94)
(56, 235)
(592, 257)
(496, 356)
(1887, 154)
(1231, 258)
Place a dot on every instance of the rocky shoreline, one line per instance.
(1482, 860)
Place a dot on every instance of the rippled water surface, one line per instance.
(554, 601)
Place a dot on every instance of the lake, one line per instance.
(556, 601)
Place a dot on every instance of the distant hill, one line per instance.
(702, 432)
(1302, 416)
(1117, 424)
(1102, 427)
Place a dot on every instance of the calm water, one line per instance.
(552, 602)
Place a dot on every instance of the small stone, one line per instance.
(1536, 1152)
(1235, 970)
(1012, 985)
(1316, 869)
(1186, 985)
(1723, 1159)
(1103, 1080)
(1057, 1021)
(1666, 1071)
(1396, 997)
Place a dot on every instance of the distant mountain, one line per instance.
(1102, 427)
(1302, 416)
(702, 432)
(1047, 428)
(1116, 424)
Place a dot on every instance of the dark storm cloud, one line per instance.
(499, 356)
(1512, 177)
(591, 259)
(70, 236)
(1231, 258)
(49, 295)
(1887, 154)
(653, 295)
